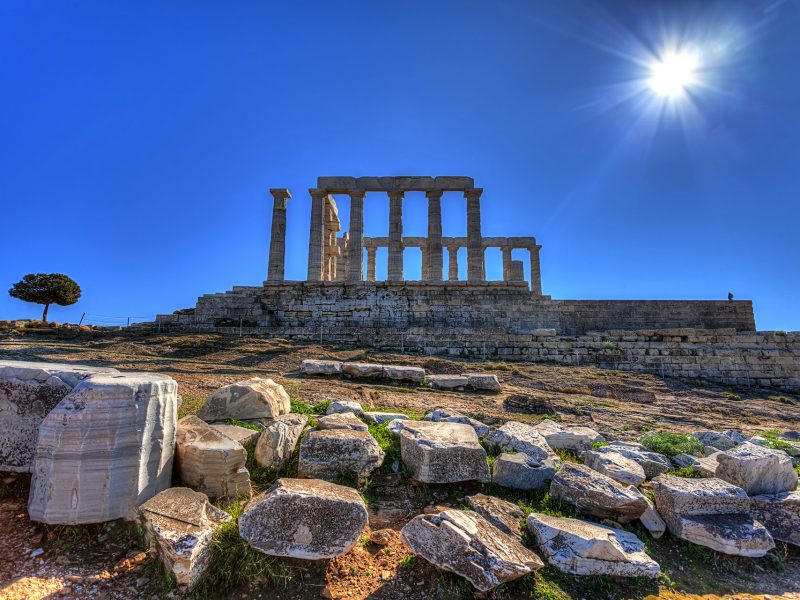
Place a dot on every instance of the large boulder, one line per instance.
(714, 438)
(254, 398)
(595, 494)
(104, 449)
(465, 543)
(581, 548)
(607, 461)
(451, 416)
(712, 513)
(344, 406)
(443, 452)
(757, 470)
(28, 392)
(574, 439)
(332, 453)
(514, 436)
(304, 518)
(780, 514)
(504, 515)
(407, 374)
(520, 471)
(483, 382)
(180, 523)
(311, 366)
(653, 463)
(346, 420)
(277, 442)
(362, 370)
(210, 461)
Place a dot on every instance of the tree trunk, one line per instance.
(44, 314)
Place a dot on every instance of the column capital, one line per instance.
(473, 193)
(357, 194)
(396, 194)
(317, 192)
(434, 194)
(280, 193)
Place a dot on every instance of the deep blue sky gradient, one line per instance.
(139, 140)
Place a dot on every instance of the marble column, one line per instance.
(395, 236)
(506, 263)
(425, 264)
(355, 247)
(475, 262)
(434, 270)
(536, 273)
(371, 254)
(316, 237)
(277, 237)
(341, 258)
(452, 260)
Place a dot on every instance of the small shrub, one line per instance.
(388, 442)
(599, 444)
(567, 456)
(688, 472)
(733, 397)
(258, 474)
(298, 406)
(671, 444)
(610, 346)
(237, 423)
(775, 442)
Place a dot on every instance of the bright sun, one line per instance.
(670, 76)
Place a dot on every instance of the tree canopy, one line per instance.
(47, 289)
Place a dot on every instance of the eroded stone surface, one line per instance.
(304, 518)
(581, 548)
(504, 515)
(277, 442)
(320, 367)
(596, 494)
(575, 439)
(210, 461)
(780, 514)
(345, 420)
(514, 436)
(465, 543)
(652, 463)
(452, 416)
(442, 452)
(104, 449)
(383, 417)
(243, 435)
(400, 373)
(181, 524)
(253, 398)
(447, 382)
(519, 471)
(757, 470)
(28, 392)
(344, 406)
(362, 370)
(714, 438)
(483, 382)
(609, 462)
(332, 453)
(736, 534)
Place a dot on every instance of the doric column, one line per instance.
(341, 258)
(355, 247)
(475, 263)
(536, 273)
(316, 237)
(434, 270)
(452, 260)
(506, 263)
(371, 253)
(426, 275)
(395, 236)
(277, 236)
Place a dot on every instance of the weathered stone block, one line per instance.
(334, 452)
(443, 452)
(253, 398)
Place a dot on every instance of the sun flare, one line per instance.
(673, 74)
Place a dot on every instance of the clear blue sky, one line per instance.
(139, 140)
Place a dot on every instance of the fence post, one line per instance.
(81, 321)
(240, 326)
(129, 322)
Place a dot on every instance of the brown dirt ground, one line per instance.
(99, 561)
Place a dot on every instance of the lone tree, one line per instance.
(47, 289)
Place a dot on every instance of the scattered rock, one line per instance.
(791, 435)
(304, 518)
(335, 452)
(320, 367)
(780, 514)
(684, 461)
(483, 382)
(609, 462)
(104, 449)
(736, 436)
(652, 463)
(277, 442)
(757, 470)
(520, 471)
(595, 494)
(383, 417)
(447, 382)
(574, 439)
(346, 420)
(451, 416)
(581, 548)
(362, 370)
(210, 461)
(519, 437)
(465, 543)
(409, 374)
(500, 513)
(522, 403)
(711, 513)
(243, 435)
(181, 524)
(28, 392)
(442, 452)
(651, 520)
(708, 466)
(395, 426)
(381, 537)
(714, 438)
(253, 398)
(344, 406)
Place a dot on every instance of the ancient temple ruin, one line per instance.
(332, 257)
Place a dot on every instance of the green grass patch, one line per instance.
(775, 442)
(190, 404)
(252, 426)
(388, 442)
(599, 444)
(258, 474)
(688, 472)
(303, 408)
(671, 444)
(567, 456)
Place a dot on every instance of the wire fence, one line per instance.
(114, 320)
